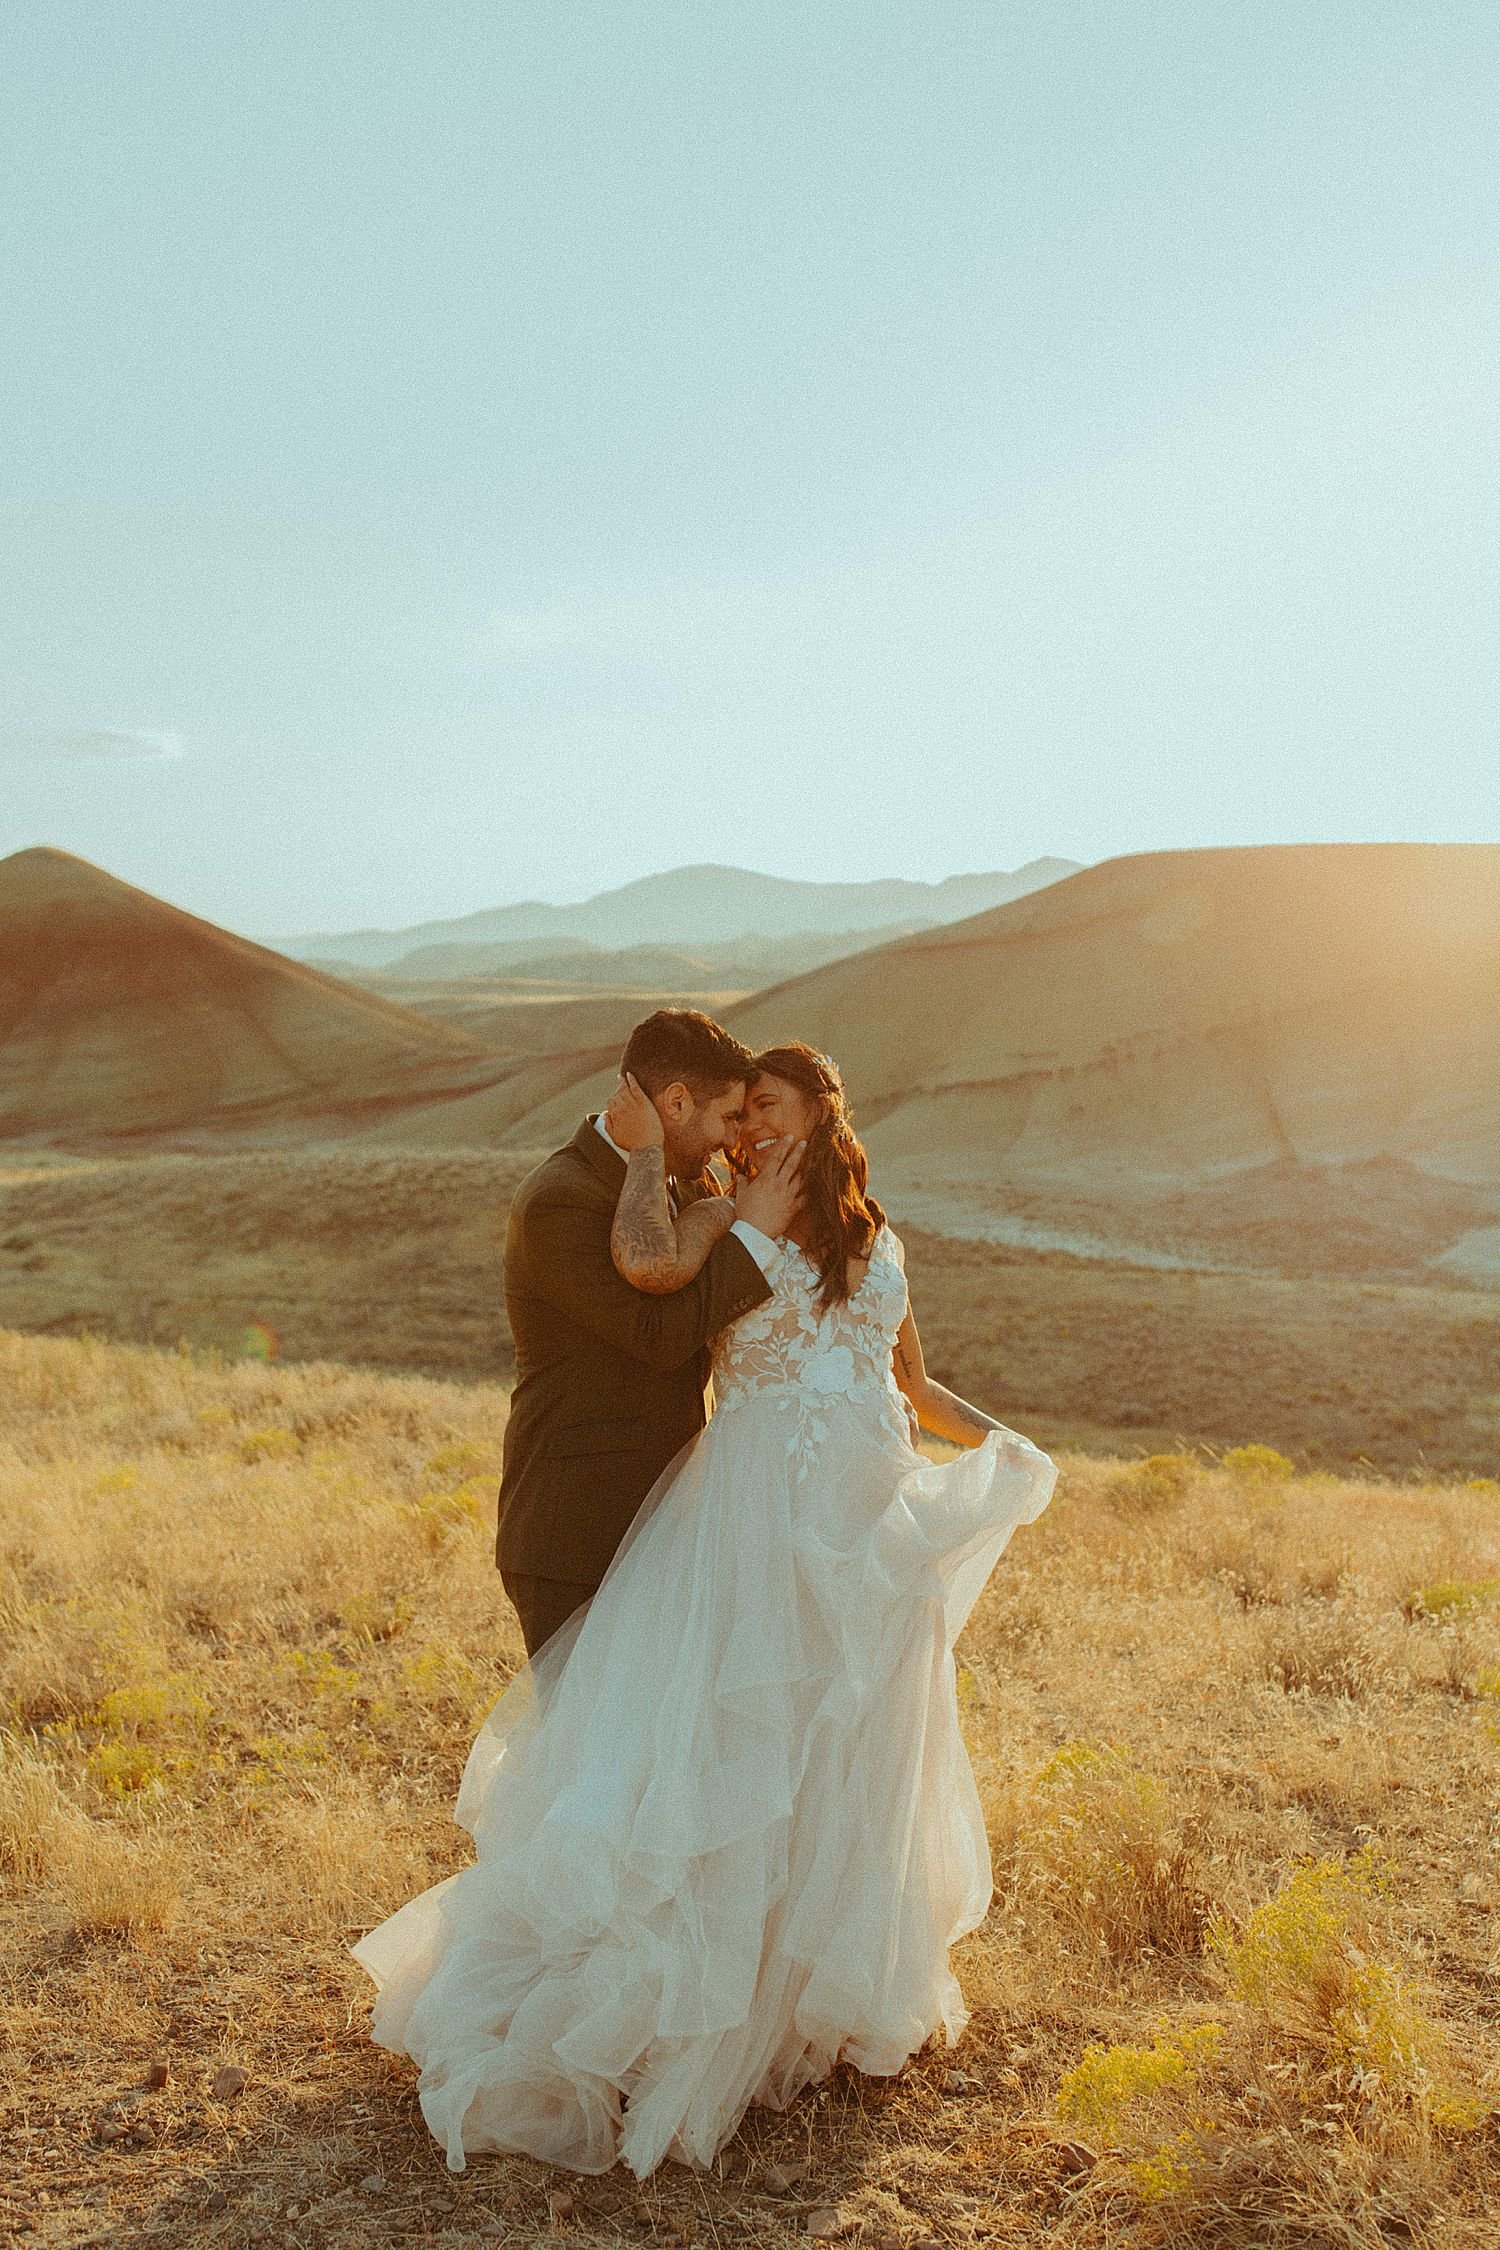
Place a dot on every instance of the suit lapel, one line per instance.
(589, 1143)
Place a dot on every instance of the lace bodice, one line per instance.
(800, 1360)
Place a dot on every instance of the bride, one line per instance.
(726, 1827)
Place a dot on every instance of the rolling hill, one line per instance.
(1158, 1024)
(121, 1015)
(1171, 1017)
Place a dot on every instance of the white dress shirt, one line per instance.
(762, 1249)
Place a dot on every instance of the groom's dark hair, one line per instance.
(678, 1046)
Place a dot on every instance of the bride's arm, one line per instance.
(937, 1409)
(650, 1249)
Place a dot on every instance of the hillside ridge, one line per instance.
(123, 1014)
(1172, 1015)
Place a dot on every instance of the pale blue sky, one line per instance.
(465, 451)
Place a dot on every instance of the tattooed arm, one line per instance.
(653, 1251)
(937, 1408)
(650, 1249)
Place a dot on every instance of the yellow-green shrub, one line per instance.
(1097, 2092)
(1156, 1482)
(371, 1616)
(441, 1678)
(464, 1458)
(171, 1705)
(1450, 1597)
(120, 1768)
(1258, 1465)
(439, 1515)
(1307, 1962)
(269, 1445)
(1287, 1961)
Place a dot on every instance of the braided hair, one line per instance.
(842, 1217)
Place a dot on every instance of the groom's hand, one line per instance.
(769, 1202)
(632, 1118)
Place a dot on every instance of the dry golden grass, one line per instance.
(1236, 1732)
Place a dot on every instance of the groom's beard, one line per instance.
(686, 1163)
(681, 1166)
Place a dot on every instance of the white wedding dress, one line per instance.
(726, 1826)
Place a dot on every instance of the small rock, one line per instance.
(830, 2221)
(111, 2130)
(229, 2080)
(158, 2074)
(373, 2183)
(962, 2082)
(1076, 2156)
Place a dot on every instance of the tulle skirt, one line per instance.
(726, 1827)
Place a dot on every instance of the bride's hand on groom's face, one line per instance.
(632, 1118)
(770, 1201)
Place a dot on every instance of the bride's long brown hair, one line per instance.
(842, 1217)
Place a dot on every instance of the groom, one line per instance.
(609, 1382)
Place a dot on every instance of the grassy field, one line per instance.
(1237, 1732)
(392, 1260)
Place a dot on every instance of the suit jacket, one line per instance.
(610, 1382)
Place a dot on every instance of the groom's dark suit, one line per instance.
(610, 1382)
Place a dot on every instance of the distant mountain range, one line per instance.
(695, 907)
(745, 964)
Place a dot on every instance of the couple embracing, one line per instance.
(726, 1827)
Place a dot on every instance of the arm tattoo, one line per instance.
(971, 1416)
(641, 1237)
(648, 1249)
